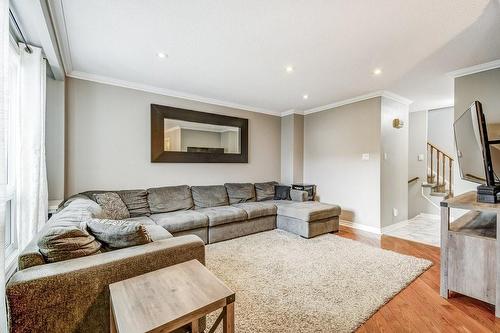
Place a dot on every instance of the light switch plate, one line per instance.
(365, 157)
(420, 157)
(386, 156)
(395, 212)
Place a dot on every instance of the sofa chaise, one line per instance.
(73, 296)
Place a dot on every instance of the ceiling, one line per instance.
(234, 52)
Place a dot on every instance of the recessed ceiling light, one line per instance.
(377, 71)
(289, 69)
(306, 96)
(161, 55)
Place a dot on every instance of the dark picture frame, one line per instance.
(158, 155)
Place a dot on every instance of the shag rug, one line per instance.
(285, 283)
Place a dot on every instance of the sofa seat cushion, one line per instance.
(223, 214)
(308, 211)
(181, 220)
(157, 232)
(169, 198)
(209, 196)
(258, 209)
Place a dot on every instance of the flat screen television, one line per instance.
(473, 147)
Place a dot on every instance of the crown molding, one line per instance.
(166, 92)
(381, 93)
(56, 11)
(291, 111)
(475, 69)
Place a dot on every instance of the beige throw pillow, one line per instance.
(112, 206)
(67, 242)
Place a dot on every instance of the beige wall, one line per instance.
(108, 142)
(334, 141)
(54, 138)
(394, 163)
(483, 87)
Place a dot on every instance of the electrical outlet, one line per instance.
(365, 156)
(386, 156)
(420, 157)
(395, 212)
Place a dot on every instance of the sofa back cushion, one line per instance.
(169, 199)
(209, 196)
(240, 192)
(265, 191)
(136, 202)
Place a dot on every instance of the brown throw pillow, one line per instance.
(117, 234)
(67, 242)
(112, 206)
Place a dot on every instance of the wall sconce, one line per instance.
(397, 123)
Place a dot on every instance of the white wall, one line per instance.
(483, 87)
(334, 141)
(292, 148)
(54, 138)
(394, 163)
(417, 145)
(108, 142)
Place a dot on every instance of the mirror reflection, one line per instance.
(186, 136)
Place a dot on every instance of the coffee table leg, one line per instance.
(228, 320)
(195, 326)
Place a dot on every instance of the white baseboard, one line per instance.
(405, 222)
(360, 226)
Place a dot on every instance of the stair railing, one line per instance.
(440, 169)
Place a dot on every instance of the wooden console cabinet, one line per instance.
(470, 256)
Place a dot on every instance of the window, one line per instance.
(8, 154)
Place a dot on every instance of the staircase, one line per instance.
(439, 173)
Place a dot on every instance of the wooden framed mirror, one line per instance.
(187, 136)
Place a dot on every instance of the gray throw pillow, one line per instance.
(265, 191)
(112, 206)
(282, 192)
(117, 234)
(136, 202)
(67, 242)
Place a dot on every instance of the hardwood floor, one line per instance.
(419, 308)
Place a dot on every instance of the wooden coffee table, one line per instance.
(170, 298)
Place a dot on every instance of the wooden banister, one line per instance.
(441, 172)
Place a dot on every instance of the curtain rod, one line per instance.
(12, 17)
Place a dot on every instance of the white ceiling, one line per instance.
(236, 51)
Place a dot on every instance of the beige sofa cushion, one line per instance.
(308, 211)
(265, 191)
(181, 220)
(67, 242)
(223, 214)
(257, 209)
(136, 202)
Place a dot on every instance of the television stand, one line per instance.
(470, 257)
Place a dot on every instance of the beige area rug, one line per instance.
(285, 283)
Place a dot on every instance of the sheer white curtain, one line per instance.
(31, 173)
(4, 52)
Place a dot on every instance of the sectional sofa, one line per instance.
(73, 296)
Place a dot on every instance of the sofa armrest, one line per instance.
(298, 195)
(73, 295)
